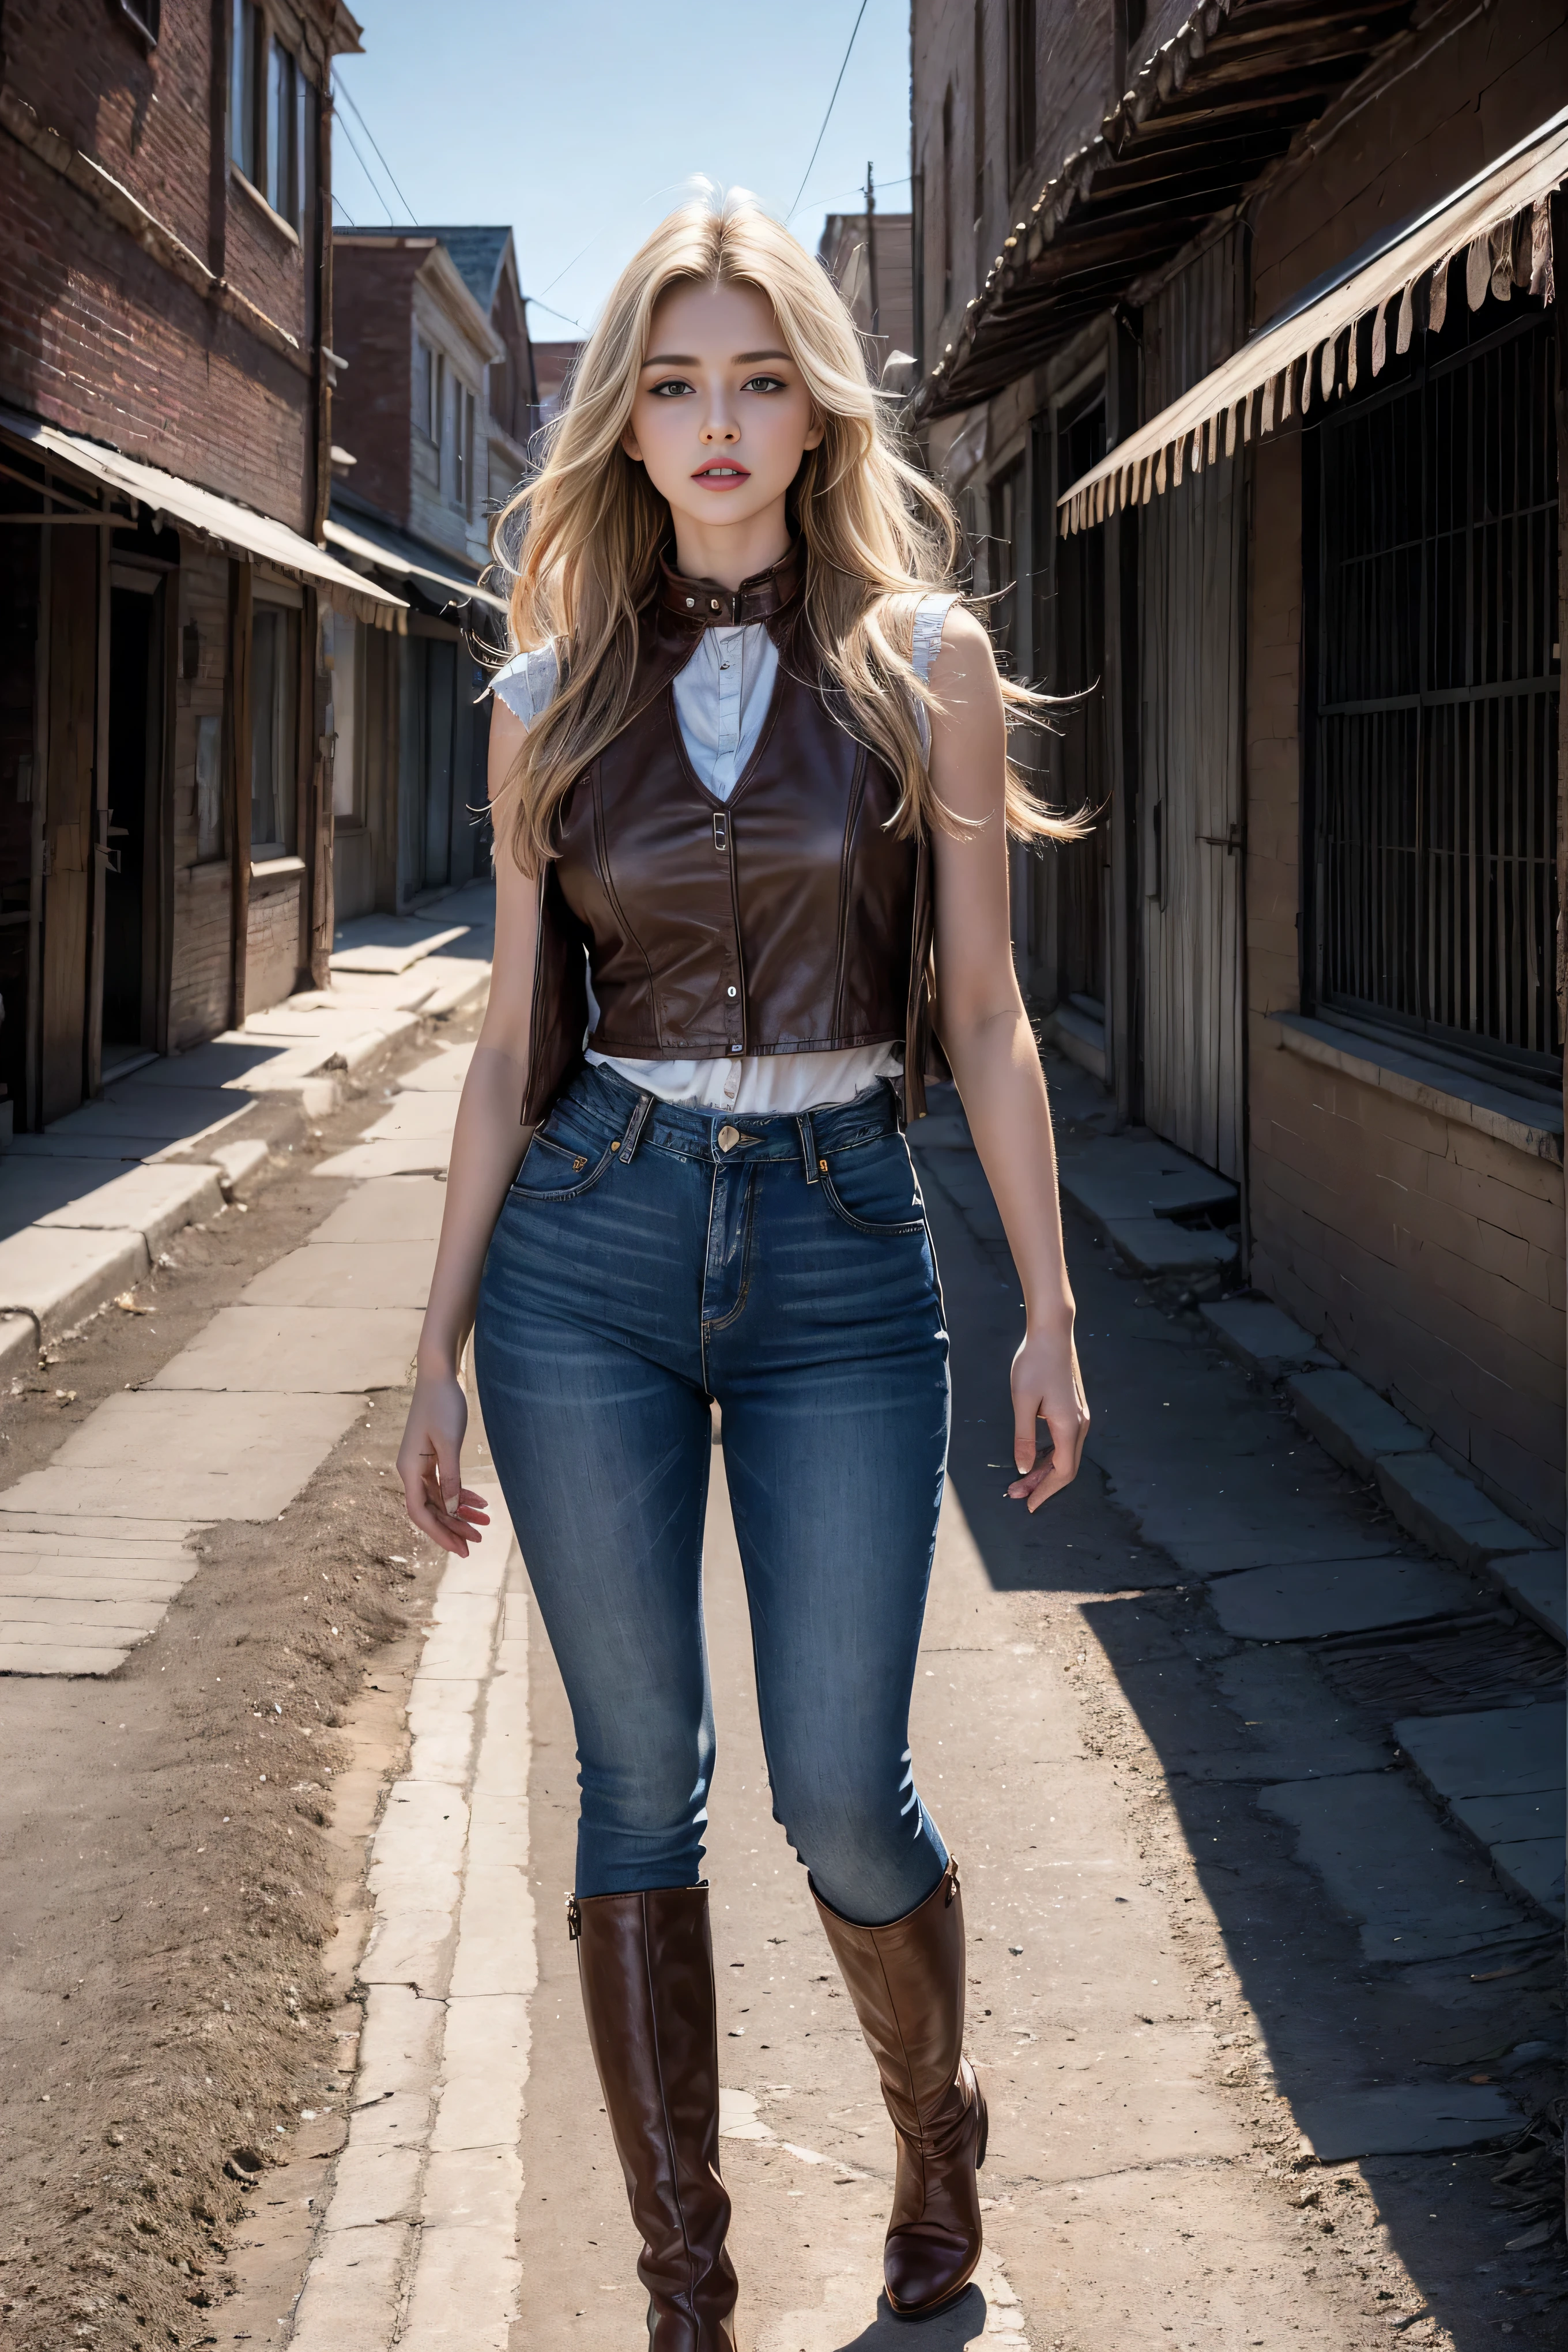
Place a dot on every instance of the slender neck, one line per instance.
(728, 553)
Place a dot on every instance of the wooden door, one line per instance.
(68, 817)
(1192, 852)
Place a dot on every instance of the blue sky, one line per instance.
(579, 123)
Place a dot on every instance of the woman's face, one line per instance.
(723, 416)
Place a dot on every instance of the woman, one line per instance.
(749, 771)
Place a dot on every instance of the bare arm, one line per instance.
(988, 1041)
(488, 1145)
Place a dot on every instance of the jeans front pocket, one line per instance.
(873, 1187)
(560, 1166)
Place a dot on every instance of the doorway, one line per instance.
(130, 881)
(440, 711)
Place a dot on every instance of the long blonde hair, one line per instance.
(582, 538)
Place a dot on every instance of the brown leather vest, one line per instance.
(784, 920)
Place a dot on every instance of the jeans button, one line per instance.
(728, 1137)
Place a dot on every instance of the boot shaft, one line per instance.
(645, 1968)
(906, 1983)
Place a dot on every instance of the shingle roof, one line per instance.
(476, 253)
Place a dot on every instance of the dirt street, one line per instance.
(169, 1876)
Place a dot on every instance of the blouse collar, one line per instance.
(760, 598)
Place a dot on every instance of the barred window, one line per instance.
(1434, 752)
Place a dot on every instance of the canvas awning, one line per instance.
(1498, 226)
(240, 530)
(405, 561)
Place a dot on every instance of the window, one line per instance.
(429, 390)
(274, 679)
(343, 720)
(980, 138)
(463, 484)
(209, 788)
(1022, 83)
(947, 200)
(270, 115)
(1434, 758)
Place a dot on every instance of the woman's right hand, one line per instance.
(429, 1465)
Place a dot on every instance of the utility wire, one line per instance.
(538, 305)
(370, 179)
(344, 210)
(359, 118)
(826, 117)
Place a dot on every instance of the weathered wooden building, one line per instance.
(431, 428)
(165, 385)
(1240, 344)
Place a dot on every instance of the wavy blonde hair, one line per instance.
(581, 539)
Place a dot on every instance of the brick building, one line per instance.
(164, 405)
(1238, 343)
(431, 427)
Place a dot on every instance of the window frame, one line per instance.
(285, 728)
(349, 638)
(270, 121)
(1415, 376)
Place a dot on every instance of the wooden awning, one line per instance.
(1207, 113)
(224, 522)
(1494, 234)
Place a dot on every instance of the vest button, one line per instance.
(730, 991)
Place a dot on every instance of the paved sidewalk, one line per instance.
(94, 1545)
(87, 1206)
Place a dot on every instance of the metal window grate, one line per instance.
(1436, 706)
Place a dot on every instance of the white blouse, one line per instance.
(721, 698)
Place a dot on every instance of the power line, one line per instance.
(359, 118)
(344, 210)
(538, 305)
(369, 180)
(826, 117)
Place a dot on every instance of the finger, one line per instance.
(1067, 1453)
(432, 1522)
(448, 1475)
(1026, 1414)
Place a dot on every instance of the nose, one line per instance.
(719, 429)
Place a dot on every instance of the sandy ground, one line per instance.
(168, 2018)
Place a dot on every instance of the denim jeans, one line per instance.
(640, 1268)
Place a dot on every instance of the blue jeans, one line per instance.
(638, 1270)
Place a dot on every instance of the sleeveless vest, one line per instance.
(784, 920)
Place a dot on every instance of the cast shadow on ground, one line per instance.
(952, 2330)
(1335, 2016)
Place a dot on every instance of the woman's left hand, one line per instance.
(1047, 1386)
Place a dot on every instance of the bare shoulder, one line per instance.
(965, 656)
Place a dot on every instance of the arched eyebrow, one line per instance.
(689, 359)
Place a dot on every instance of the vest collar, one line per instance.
(705, 605)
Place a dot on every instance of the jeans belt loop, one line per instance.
(635, 1126)
(807, 1144)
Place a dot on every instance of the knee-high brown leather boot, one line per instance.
(906, 1983)
(645, 1965)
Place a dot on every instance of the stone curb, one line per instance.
(66, 1266)
(1432, 1501)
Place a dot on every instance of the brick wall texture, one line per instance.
(1430, 1257)
(96, 333)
